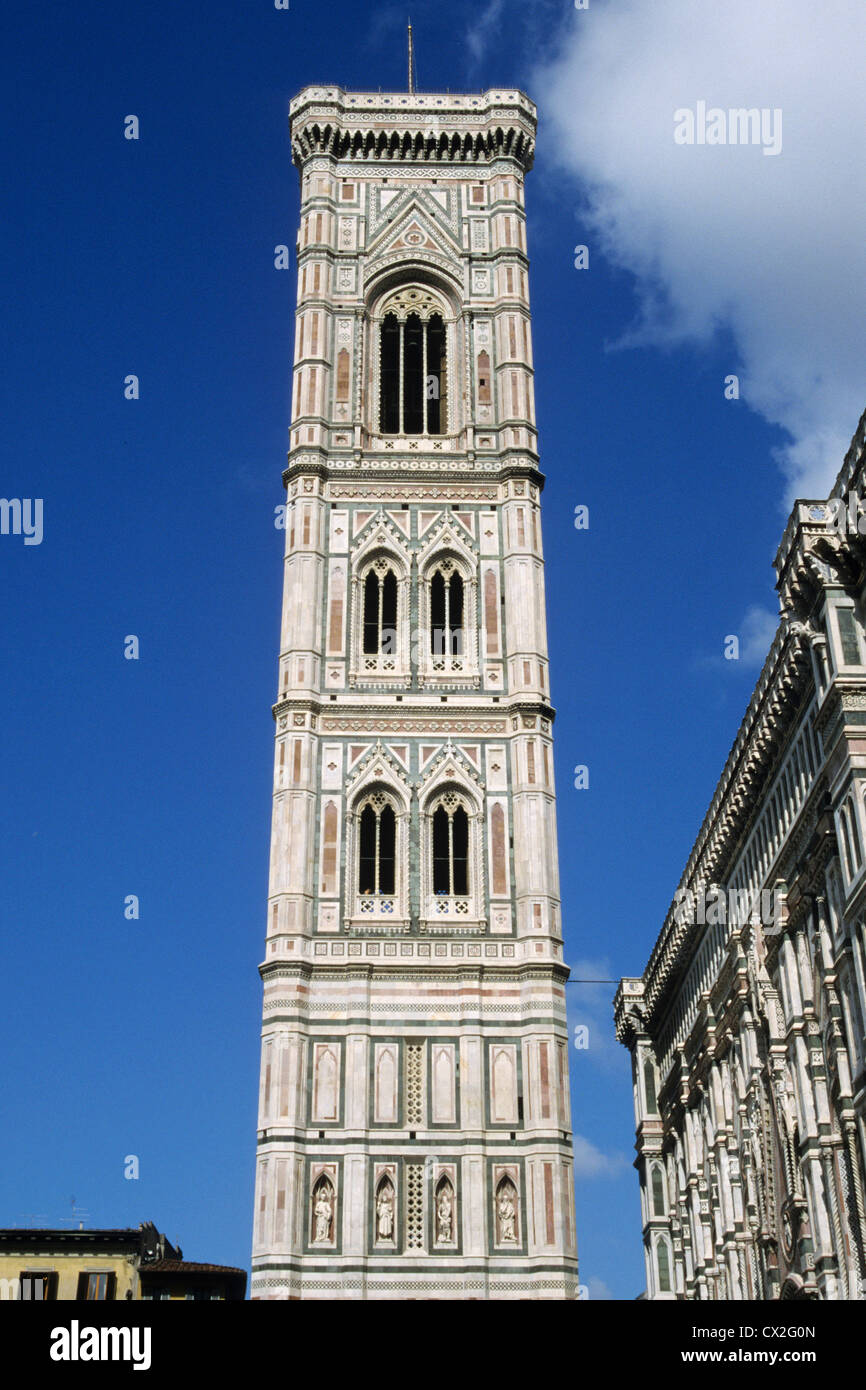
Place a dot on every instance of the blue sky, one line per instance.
(153, 777)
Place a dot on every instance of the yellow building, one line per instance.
(102, 1265)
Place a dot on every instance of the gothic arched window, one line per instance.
(649, 1082)
(377, 847)
(663, 1262)
(413, 380)
(380, 611)
(446, 612)
(450, 848)
(658, 1191)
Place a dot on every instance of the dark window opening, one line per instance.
(446, 615)
(434, 385)
(413, 378)
(377, 851)
(96, 1286)
(390, 409)
(380, 613)
(451, 852)
(38, 1285)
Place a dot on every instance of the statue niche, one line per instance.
(444, 1212)
(323, 1212)
(506, 1213)
(385, 1212)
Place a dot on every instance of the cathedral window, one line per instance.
(453, 847)
(446, 611)
(848, 636)
(855, 834)
(376, 853)
(663, 1264)
(450, 848)
(658, 1191)
(380, 610)
(377, 847)
(379, 640)
(448, 601)
(649, 1084)
(413, 382)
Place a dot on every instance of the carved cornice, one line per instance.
(851, 475)
(405, 128)
(821, 547)
(432, 468)
(387, 971)
(782, 687)
(629, 1012)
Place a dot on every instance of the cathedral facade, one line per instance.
(414, 1135)
(746, 1029)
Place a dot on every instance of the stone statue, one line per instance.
(506, 1211)
(443, 1214)
(385, 1212)
(323, 1210)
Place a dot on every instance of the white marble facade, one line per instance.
(746, 1028)
(414, 1132)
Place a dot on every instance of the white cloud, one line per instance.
(772, 248)
(590, 1162)
(756, 634)
(479, 35)
(598, 1288)
(590, 1006)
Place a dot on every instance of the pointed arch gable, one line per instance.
(444, 540)
(449, 776)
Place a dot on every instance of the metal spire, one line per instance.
(411, 62)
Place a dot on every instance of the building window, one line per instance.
(453, 872)
(96, 1285)
(663, 1263)
(413, 365)
(848, 636)
(450, 848)
(855, 834)
(377, 855)
(649, 1084)
(380, 611)
(38, 1284)
(446, 611)
(658, 1191)
(376, 879)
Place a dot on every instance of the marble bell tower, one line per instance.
(414, 1134)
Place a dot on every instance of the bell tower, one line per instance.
(414, 1134)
